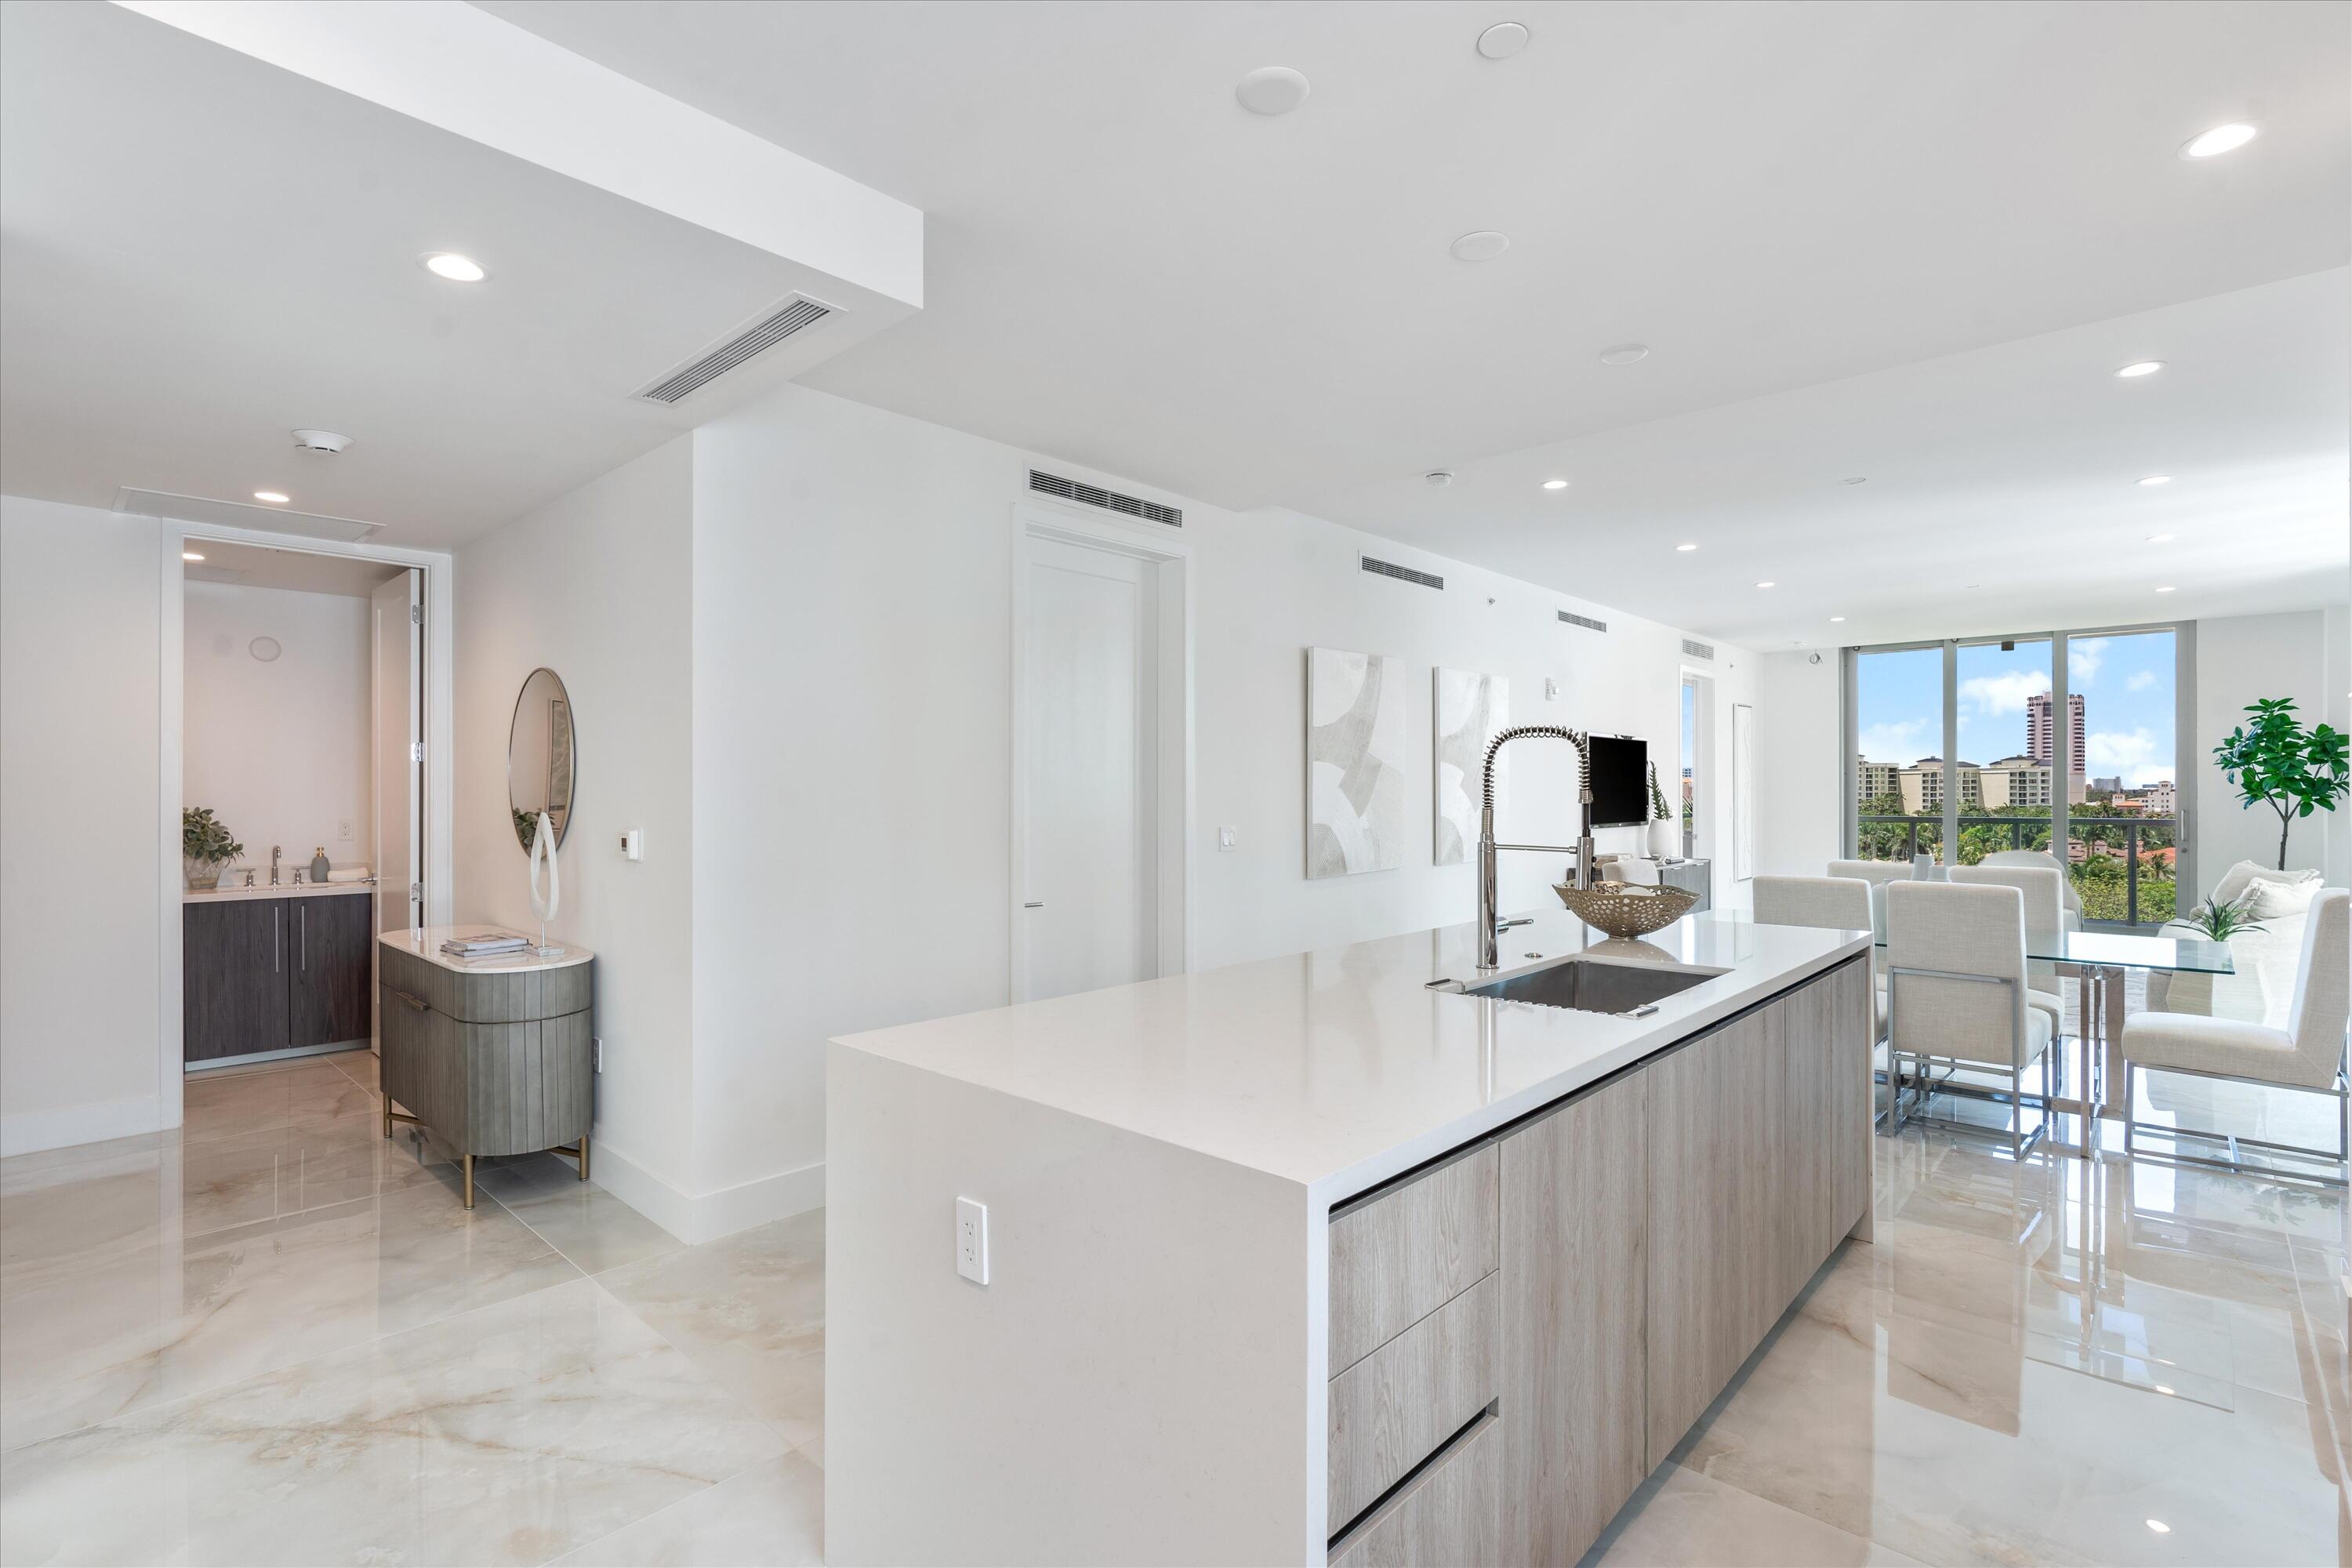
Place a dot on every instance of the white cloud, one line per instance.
(2084, 656)
(1900, 743)
(2140, 681)
(2004, 693)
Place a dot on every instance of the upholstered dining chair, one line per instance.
(2308, 1054)
(1877, 873)
(1825, 903)
(1957, 986)
(2069, 898)
(2045, 927)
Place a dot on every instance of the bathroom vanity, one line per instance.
(1323, 1259)
(274, 970)
(495, 1056)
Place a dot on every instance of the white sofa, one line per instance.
(2262, 989)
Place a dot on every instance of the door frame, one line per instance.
(1172, 789)
(440, 732)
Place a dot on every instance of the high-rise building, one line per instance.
(2016, 780)
(1922, 785)
(1873, 779)
(2038, 746)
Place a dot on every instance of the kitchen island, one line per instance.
(1305, 1260)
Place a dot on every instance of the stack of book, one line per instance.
(484, 944)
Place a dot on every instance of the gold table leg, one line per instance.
(469, 1181)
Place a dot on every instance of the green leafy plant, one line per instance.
(204, 839)
(2216, 922)
(2276, 761)
(1658, 811)
(526, 826)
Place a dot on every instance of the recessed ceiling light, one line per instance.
(1685, 549)
(1858, 480)
(1438, 478)
(1481, 245)
(2164, 590)
(2140, 367)
(1625, 354)
(1837, 618)
(1502, 40)
(456, 268)
(1555, 484)
(2158, 1526)
(1764, 584)
(2155, 479)
(2159, 539)
(2220, 140)
(190, 555)
(1271, 90)
(273, 497)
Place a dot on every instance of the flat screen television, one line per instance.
(1621, 781)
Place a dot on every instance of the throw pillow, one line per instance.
(2282, 895)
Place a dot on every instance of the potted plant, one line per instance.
(2216, 922)
(1661, 822)
(2276, 761)
(206, 847)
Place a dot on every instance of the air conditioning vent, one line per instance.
(1587, 622)
(798, 315)
(1696, 649)
(1401, 573)
(1109, 501)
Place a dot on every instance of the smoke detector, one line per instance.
(1439, 478)
(319, 441)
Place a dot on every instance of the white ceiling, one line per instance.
(1127, 270)
(1865, 238)
(200, 252)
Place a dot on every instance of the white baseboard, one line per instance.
(709, 1216)
(37, 1131)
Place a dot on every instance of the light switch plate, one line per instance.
(1228, 836)
(633, 844)
(971, 1240)
(1551, 689)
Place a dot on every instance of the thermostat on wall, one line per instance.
(633, 844)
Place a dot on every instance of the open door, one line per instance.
(397, 632)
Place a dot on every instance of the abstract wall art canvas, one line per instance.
(1356, 744)
(1468, 711)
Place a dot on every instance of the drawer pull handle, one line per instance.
(419, 1002)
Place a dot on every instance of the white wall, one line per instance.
(595, 586)
(280, 751)
(851, 692)
(1797, 752)
(2298, 653)
(81, 857)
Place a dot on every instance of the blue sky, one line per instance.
(2125, 683)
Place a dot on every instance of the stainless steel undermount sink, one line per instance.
(1595, 985)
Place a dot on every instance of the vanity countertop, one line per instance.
(283, 890)
(426, 944)
(1341, 1068)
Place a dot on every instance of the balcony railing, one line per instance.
(2121, 866)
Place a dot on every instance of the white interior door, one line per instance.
(1089, 895)
(398, 636)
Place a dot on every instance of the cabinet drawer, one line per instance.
(1447, 1519)
(1393, 1408)
(1409, 1250)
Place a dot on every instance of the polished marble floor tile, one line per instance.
(1683, 1517)
(773, 1513)
(592, 1228)
(507, 1435)
(749, 1309)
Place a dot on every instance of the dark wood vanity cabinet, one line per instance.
(274, 974)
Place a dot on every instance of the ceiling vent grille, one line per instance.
(1109, 501)
(798, 315)
(1696, 649)
(1379, 567)
(1570, 617)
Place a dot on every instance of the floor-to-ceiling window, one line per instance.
(1992, 745)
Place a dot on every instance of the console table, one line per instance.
(495, 1054)
(1691, 876)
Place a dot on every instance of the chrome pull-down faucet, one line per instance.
(1488, 952)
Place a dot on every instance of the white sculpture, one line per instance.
(544, 905)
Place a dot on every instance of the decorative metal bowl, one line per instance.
(1626, 909)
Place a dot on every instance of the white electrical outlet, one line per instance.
(343, 828)
(1551, 689)
(971, 1240)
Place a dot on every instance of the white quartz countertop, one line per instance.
(283, 890)
(1339, 1069)
(425, 943)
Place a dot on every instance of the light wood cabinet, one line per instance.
(1392, 1409)
(1444, 1518)
(1403, 1253)
(1574, 1212)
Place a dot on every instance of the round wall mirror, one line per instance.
(542, 757)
